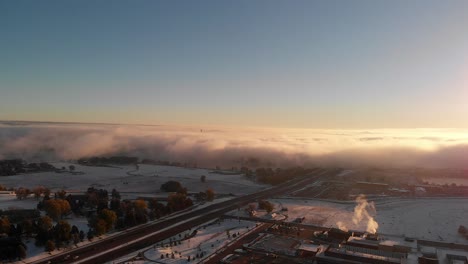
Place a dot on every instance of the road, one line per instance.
(142, 236)
(273, 221)
(238, 244)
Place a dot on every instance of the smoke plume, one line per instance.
(363, 215)
(342, 226)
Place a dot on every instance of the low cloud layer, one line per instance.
(443, 148)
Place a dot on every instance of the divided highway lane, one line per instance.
(134, 239)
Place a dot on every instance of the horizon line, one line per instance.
(225, 126)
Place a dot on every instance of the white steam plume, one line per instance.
(342, 226)
(363, 213)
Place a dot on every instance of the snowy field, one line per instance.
(130, 182)
(435, 219)
(209, 239)
(10, 202)
(147, 179)
(431, 219)
(425, 218)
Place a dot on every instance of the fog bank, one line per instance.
(444, 148)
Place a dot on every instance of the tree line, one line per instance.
(17, 166)
(104, 211)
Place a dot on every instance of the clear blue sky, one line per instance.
(322, 64)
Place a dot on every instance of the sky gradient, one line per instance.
(306, 64)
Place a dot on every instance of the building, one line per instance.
(353, 255)
(306, 250)
(338, 234)
(456, 259)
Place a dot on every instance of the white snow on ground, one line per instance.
(435, 219)
(345, 173)
(210, 238)
(432, 219)
(35, 253)
(147, 179)
(10, 202)
(425, 218)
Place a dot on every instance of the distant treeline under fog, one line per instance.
(127, 160)
(264, 175)
(17, 166)
(228, 147)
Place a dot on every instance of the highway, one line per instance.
(143, 236)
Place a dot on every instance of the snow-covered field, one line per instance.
(130, 182)
(147, 179)
(10, 202)
(431, 219)
(426, 218)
